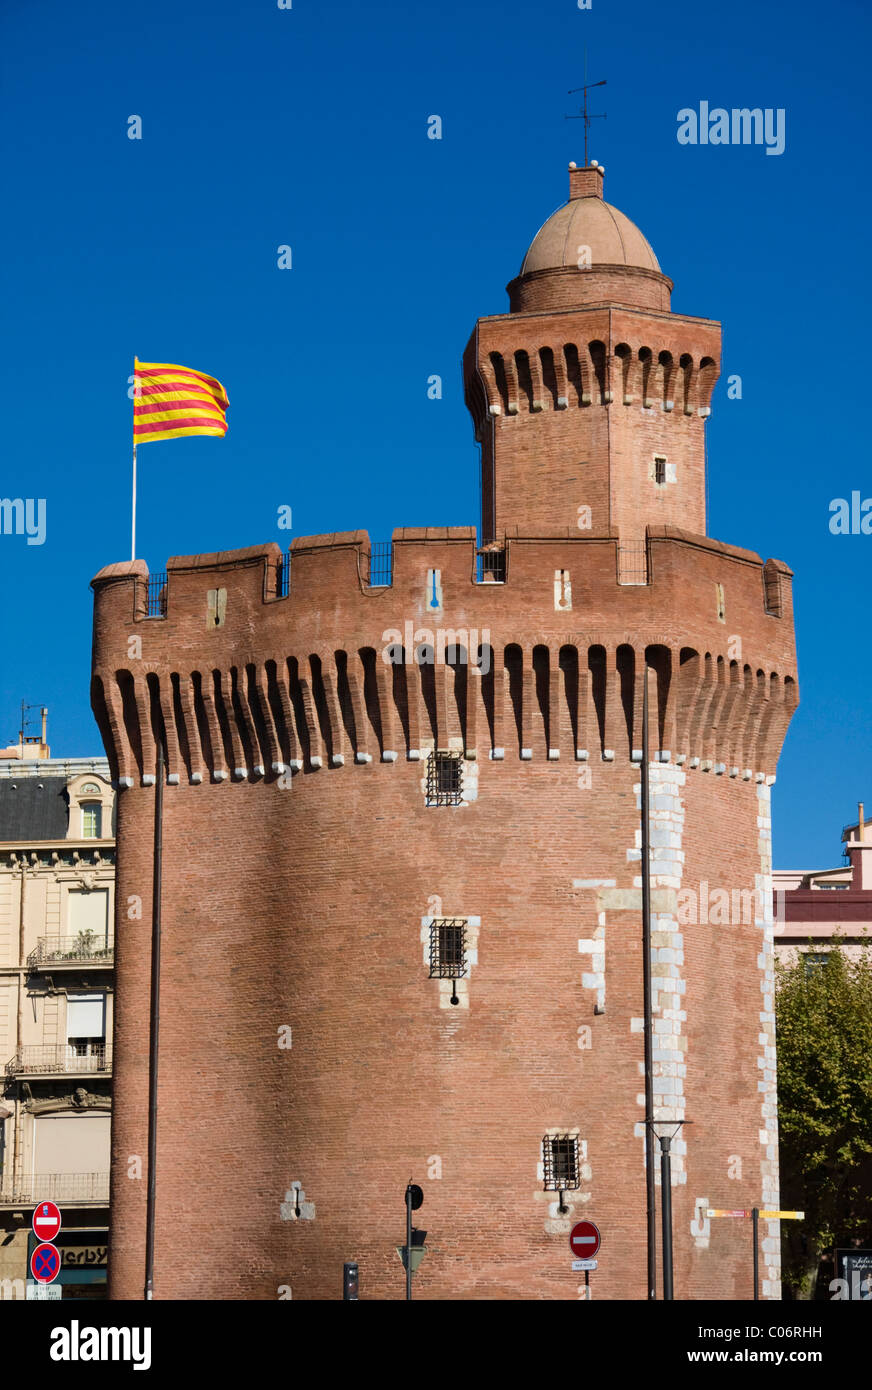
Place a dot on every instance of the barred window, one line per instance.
(659, 469)
(448, 948)
(561, 1162)
(444, 779)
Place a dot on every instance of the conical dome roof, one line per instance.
(588, 252)
(588, 221)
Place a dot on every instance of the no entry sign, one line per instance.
(584, 1240)
(45, 1263)
(46, 1221)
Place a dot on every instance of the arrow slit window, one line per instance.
(560, 1153)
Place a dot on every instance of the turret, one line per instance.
(589, 398)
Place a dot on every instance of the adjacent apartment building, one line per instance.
(814, 906)
(57, 873)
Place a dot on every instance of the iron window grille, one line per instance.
(491, 567)
(157, 595)
(381, 564)
(560, 1152)
(447, 948)
(633, 562)
(444, 779)
(283, 575)
(659, 470)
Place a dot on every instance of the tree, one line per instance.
(824, 1037)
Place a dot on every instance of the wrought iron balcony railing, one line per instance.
(72, 950)
(633, 562)
(92, 1188)
(65, 1057)
(490, 566)
(156, 598)
(381, 564)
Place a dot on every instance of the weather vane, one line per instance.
(584, 114)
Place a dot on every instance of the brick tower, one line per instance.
(401, 878)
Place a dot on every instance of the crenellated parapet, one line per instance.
(241, 681)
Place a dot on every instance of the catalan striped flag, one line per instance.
(171, 401)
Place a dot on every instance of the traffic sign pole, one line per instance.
(409, 1242)
(584, 1240)
(414, 1200)
(755, 1213)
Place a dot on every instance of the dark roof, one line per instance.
(33, 808)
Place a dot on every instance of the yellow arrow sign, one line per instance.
(764, 1215)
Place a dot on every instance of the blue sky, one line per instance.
(308, 127)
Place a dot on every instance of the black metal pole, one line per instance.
(154, 1025)
(755, 1227)
(408, 1242)
(646, 986)
(666, 1209)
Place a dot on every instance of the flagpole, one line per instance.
(133, 516)
(133, 509)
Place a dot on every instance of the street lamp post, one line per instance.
(666, 1197)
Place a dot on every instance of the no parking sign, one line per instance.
(45, 1263)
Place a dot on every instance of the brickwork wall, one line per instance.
(574, 405)
(309, 1064)
(314, 922)
(301, 859)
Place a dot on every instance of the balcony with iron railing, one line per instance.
(490, 566)
(283, 575)
(156, 595)
(633, 562)
(381, 564)
(59, 951)
(66, 1189)
(64, 1059)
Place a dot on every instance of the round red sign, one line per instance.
(584, 1240)
(45, 1263)
(46, 1221)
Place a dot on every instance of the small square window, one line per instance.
(561, 1162)
(814, 961)
(448, 948)
(659, 470)
(444, 779)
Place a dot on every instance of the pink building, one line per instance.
(814, 905)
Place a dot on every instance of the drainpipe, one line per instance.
(151, 1198)
(17, 1146)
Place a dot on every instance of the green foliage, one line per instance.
(824, 1035)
